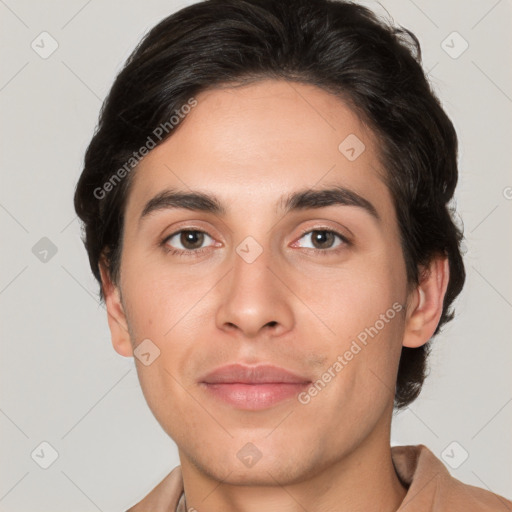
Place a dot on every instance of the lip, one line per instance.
(260, 374)
(253, 387)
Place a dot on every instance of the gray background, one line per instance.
(61, 380)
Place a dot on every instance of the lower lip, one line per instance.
(254, 396)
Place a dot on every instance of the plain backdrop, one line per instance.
(61, 381)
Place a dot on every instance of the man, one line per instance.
(266, 208)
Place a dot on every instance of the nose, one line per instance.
(255, 300)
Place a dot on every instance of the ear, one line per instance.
(426, 303)
(115, 313)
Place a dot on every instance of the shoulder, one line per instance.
(433, 488)
(164, 497)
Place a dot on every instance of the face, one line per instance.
(314, 286)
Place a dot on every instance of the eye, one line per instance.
(323, 239)
(190, 241)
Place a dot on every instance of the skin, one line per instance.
(249, 145)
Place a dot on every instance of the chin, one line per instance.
(238, 468)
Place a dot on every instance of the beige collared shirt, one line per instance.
(431, 488)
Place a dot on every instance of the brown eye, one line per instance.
(190, 240)
(323, 239)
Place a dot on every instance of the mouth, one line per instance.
(253, 387)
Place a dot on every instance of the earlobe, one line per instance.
(426, 307)
(115, 314)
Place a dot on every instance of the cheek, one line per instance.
(356, 298)
(156, 298)
(163, 395)
(365, 310)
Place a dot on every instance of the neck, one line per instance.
(362, 480)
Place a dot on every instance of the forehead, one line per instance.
(252, 144)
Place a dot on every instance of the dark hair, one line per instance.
(341, 47)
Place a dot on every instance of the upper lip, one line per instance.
(263, 373)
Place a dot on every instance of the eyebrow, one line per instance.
(300, 200)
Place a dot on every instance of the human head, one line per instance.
(339, 47)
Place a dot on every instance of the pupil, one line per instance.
(321, 235)
(187, 238)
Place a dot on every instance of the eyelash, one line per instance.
(199, 252)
